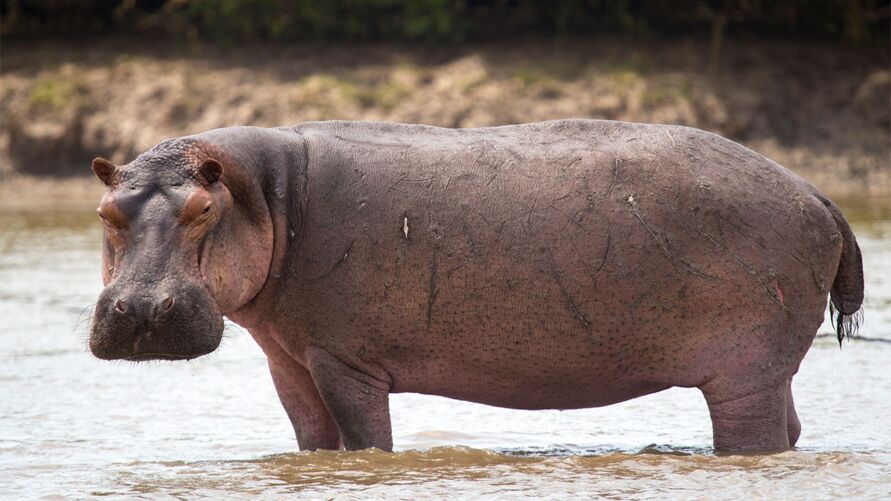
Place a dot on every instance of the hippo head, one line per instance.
(188, 239)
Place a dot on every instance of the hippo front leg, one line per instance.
(359, 402)
(313, 424)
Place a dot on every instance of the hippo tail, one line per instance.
(847, 290)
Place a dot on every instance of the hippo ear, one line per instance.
(104, 170)
(210, 171)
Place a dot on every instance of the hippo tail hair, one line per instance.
(846, 295)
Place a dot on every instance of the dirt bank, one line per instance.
(822, 111)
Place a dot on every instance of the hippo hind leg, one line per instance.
(757, 422)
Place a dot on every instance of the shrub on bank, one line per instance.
(852, 21)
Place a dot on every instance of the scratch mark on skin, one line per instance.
(570, 164)
(432, 291)
(405, 226)
(819, 280)
(723, 246)
(670, 137)
(532, 208)
(799, 258)
(394, 185)
(484, 287)
(615, 176)
(775, 295)
(460, 218)
(511, 285)
(339, 262)
(736, 226)
(751, 270)
(570, 302)
(453, 269)
(567, 216)
(446, 188)
(375, 144)
(665, 244)
(578, 254)
(483, 217)
(469, 238)
(609, 243)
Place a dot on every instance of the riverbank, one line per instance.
(820, 110)
(24, 193)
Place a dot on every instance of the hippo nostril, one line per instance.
(120, 306)
(167, 304)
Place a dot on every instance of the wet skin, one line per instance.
(564, 264)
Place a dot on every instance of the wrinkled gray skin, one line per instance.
(563, 264)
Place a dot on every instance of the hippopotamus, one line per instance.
(557, 265)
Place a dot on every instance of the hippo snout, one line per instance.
(152, 308)
(131, 323)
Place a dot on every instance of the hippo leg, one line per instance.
(754, 422)
(793, 425)
(358, 402)
(313, 424)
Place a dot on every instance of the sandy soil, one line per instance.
(822, 111)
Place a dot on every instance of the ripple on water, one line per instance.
(463, 471)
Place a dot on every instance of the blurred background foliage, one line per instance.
(805, 82)
(446, 21)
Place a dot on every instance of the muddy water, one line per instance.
(75, 427)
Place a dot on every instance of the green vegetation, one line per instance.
(547, 73)
(384, 95)
(668, 93)
(323, 89)
(54, 91)
(230, 21)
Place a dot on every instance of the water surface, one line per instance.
(75, 427)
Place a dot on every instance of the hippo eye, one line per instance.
(206, 208)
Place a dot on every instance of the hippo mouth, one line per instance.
(145, 357)
(139, 327)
